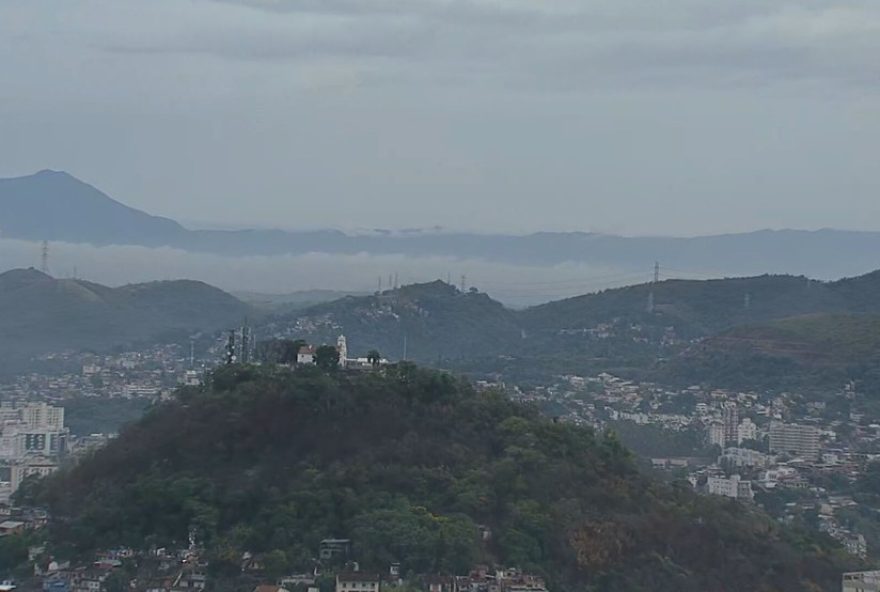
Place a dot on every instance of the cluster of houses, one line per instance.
(480, 579)
(796, 456)
(185, 570)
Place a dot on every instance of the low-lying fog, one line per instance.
(515, 285)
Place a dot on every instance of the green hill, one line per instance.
(42, 314)
(613, 329)
(408, 464)
(822, 339)
(703, 307)
(809, 351)
(436, 321)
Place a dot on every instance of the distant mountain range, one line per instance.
(646, 329)
(292, 300)
(42, 314)
(451, 323)
(799, 325)
(55, 206)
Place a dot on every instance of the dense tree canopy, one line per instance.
(413, 466)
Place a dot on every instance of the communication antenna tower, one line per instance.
(650, 307)
(230, 348)
(44, 266)
(463, 282)
(245, 346)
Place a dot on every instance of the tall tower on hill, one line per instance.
(44, 258)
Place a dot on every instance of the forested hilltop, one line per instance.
(646, 332)
(411, 465)
(43, 314)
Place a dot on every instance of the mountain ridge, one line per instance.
(612, 330)
(41, 207)
(43, 314)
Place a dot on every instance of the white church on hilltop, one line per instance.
(306, 357)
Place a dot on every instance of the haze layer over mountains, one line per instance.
(110, 242)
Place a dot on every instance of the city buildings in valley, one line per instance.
(32, 441)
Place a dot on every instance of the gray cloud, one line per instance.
(631, 116)
(619, 42)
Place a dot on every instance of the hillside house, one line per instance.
(357, 581)
(269, 588)
(306, 355)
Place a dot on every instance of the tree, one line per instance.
(327, 358)
(869, 482)
(117, 581)
(279, 351)
(275, 563)
(374, 358)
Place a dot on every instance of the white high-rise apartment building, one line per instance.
(730, 419)
(43, 416)
(747, 430)
(716, 434)
(32, 438)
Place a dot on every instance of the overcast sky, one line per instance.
(635, 117)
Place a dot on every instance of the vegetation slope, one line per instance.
(43, 314)
(816, 349)
(471, 332)
(407, 463)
